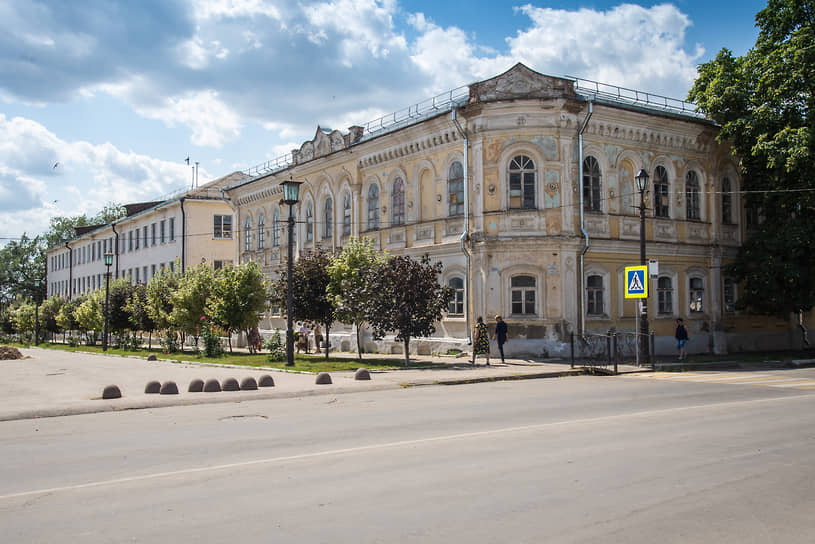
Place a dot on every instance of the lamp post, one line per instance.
(642, 186)
(36, 312)
(291, 192)
(108, 262)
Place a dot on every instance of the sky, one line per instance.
(103, 102)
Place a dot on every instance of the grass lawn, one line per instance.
(302, 363)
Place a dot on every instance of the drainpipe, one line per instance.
(183, 236)
(581, 291)
(465, 235)
(70, 271)
(116, 247)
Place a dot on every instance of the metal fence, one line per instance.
(607, 351)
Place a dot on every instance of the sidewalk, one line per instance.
(50, 383)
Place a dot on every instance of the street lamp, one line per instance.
(108, 263)
(642, 186)
(37, 312)
(291, 191)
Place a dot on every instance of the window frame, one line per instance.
(523, 291)
(328, 217)
(662, 193)
(309, 221)
(247, 233)
(524, 187)
(592, 185)
(693, 206)
(219, 222)
(455, 189)
(262, 230)
(696, 295)
(373, 207)
(346, 214)
(457, 300)
(665, 295)
(398, 202)
(594, 295)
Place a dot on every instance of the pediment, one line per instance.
(521, 82)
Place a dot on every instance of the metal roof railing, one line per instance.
(633, 97)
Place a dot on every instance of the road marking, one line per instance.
(397, 444)
(769, 380)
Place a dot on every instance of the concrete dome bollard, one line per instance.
(112, 392)
(168, 388)
(212, 386)
(230, 384)
(362, 374)
(323, 378)
(196, 386)
(152, 357)
(152, 388)
(266, 381)
(249, 384)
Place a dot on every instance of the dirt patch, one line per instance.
(8, 353)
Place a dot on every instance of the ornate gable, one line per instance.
(521, 82)
(325, 141)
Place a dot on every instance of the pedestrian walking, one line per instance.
(302, 338)
(254, 340)
(318, 338)
(482, 341)
(682, 338)
(500, 334)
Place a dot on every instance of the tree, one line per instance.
(189, 300)
(90, 314)
(61, 229)
(66, 318)
(310, 279)
(238, 297)
(118, 314)
(409, 299)
(49, 311)
(158, 304)
(138, 313)
(348, 285)
(23, 316)
(763, 102)
(22, 265)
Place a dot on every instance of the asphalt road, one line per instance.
(579, 459)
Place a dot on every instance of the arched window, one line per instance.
(662, 198)
(328, 232)
(373, 207)
(523, 295)
(455, 189)
(456, 305)
(276, 229)
(247, 234)
(697, 295)
(692, 195)
(262, 231)
(591, 184)
(522, 183)
(346, 214)
(398, 202)
(665, 295)
(727, 202)
(595, 295)
(309, 222)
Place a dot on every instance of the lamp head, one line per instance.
(108, 259)
(642, 179)
(291, 191)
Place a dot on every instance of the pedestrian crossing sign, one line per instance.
(636, 281)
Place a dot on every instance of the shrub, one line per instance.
(276, 347)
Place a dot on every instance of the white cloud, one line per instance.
(86, 176)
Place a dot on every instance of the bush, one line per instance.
(212, 342)
(276, 347)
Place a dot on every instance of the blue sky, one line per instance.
(102, 101)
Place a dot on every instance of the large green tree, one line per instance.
(409, 301)
(764, 102)
(22, 268)
(349, 287)
(189, 301)
(310, 279)
(239, 295)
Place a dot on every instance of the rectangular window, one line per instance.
(162, 229)
(130, 241)
(172, 229)
(152, 270)
(697, 295)
(138, 235)
(665, 304)
(144, 272)
(222, 226)
(595, 292)
(153, 234)
(137, 274)
(217, 265)
(171, 264)
(144, 236)
(523, 295)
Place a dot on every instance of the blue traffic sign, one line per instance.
(636, 282)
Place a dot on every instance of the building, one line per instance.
(523, 187)
(194, 227)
